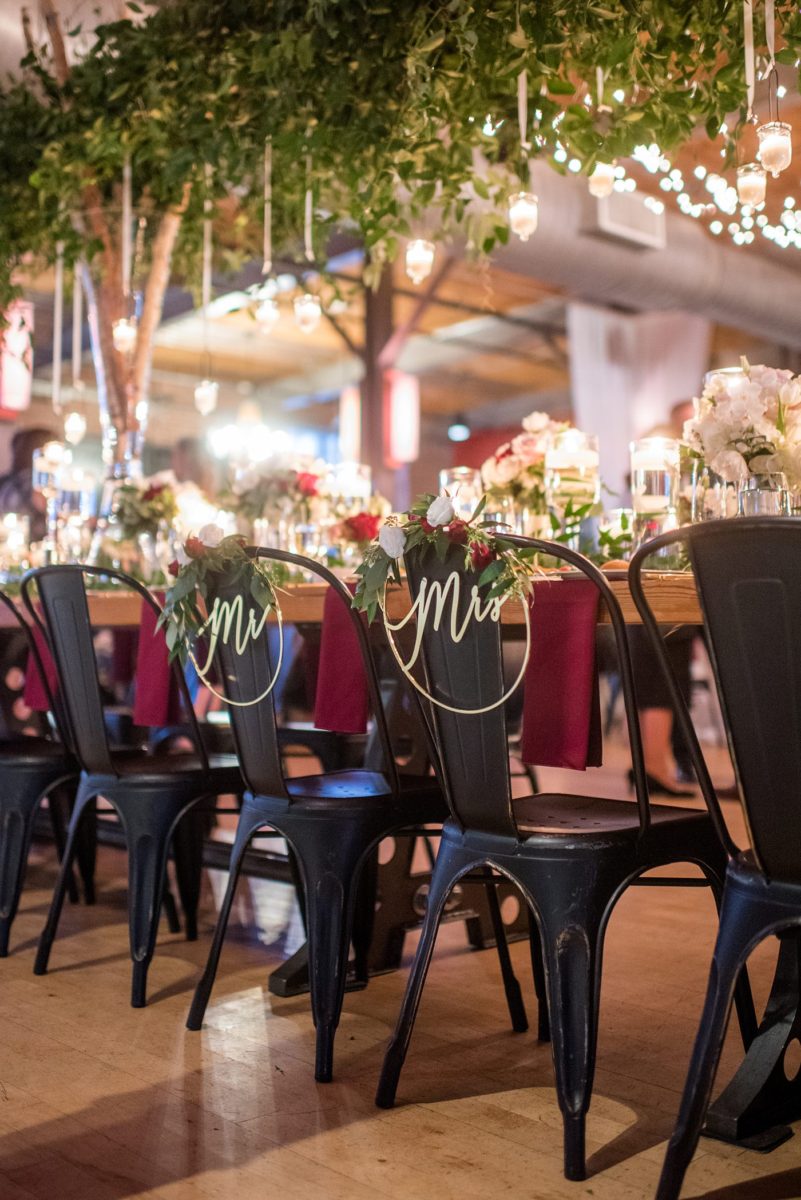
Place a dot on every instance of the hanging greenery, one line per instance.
(408, 118)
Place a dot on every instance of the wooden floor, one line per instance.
(102, 1102)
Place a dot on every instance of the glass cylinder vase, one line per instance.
(763, 496)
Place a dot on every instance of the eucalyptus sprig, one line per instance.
(202, 565)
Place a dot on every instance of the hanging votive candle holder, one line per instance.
(419, 259)
(751, 184)
(307, 312)
(123, 335)
(206, 395)
(524, 211)
(602, 181)
(775, 146)
(74, 427)
(267, 313)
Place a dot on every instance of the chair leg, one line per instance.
(170, 908)
(446, 871)
(247, 826)
(331, 871)
(149, 821)
(364, 916)
(743, 996)
(83, 801)
(514, 997)
(741, 926)
(86, 852)
(187, 844)
(572, 956)
(540, 987)
(17, 816)
(58, 824)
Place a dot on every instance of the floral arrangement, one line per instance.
(431, 525)
(272, 489)
(748, 423)
(358, 528)
(202, 557)
(517, 468)
(141, 506)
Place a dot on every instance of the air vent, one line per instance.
(624, 217)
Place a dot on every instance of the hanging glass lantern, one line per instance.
(751, 184)
(267, 313)
(419, 259)
(523, 214)
(123, 334)
(206, 395)
(602, 180)
(74, 428)
(307, 312)
(775, 146)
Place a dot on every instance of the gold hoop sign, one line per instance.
(227, 619)
(438, 603)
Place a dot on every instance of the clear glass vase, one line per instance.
(763, 496)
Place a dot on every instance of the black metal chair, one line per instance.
(31, 768)
(571, 856)
(332, 822)
(748, 578)
(150, 793)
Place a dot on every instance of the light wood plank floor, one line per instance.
(101, 1102)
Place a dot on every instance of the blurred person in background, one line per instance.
(191, 463)
(16, 486)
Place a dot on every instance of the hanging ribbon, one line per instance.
(77, 329)
(58, 326)
(205, 285)
(748, 39)
(599, 86)
(267, 244)
(522, 110)
(770, 33)
(308, 213)
(127, 208)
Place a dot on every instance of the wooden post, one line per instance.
(377, 332)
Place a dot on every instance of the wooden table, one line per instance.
(671, 594)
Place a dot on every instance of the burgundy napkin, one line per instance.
(35, 694)
(341, 700)
(157, 699)
(561, 705)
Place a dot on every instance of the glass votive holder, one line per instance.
(654, 475)
(775, 146)
(463, 485)
(763, 496)
(751, 184)
(572, 470)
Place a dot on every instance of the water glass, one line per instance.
(763, 496)
(463, 485)
(572, 470)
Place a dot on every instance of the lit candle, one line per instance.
(654, 474)
(751, 184)
(206, 394)
(602, 180)
(267, 313)
(775, 146)
(307, 312)
(419, 259)
(523, 214)
(123, 334)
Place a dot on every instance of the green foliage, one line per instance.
(389, 101)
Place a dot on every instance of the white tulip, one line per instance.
(440, 511)
(392, 540)
(211, 536)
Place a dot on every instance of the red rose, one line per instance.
(308, 483)
(457, 532)
(154, 490)
(194, 547)
(481, 555)
(174, 567)
(362, 527)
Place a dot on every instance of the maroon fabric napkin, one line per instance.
(157, 699)
(35, 693)
(341, 700)
(561, 705)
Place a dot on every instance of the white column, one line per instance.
(627, 372)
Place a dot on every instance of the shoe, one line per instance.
(657, 788)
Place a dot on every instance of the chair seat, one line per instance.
(341, 789)
(34, 752)
(591, 816)
(178, 768)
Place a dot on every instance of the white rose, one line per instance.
(440, 512)
(211, 536)
(536, 422)
(181, 557)
(392, 540)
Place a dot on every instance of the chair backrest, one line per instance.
(56, 598)
(467, 675)
(747, 574)
(248, 672)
